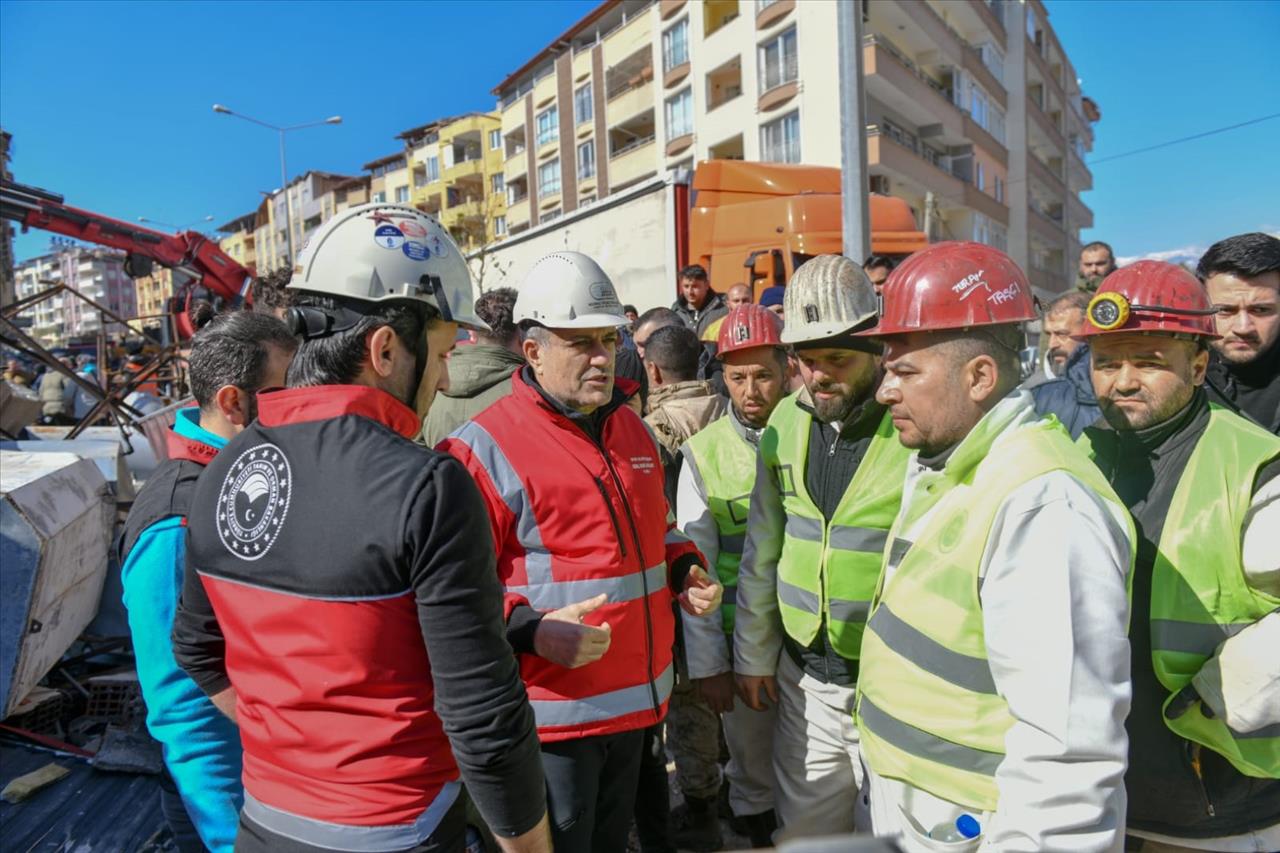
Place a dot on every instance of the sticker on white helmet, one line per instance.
(388, 236)
(416, 251)
(438, 246)
(412, 229)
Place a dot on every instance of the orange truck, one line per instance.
(745, 222)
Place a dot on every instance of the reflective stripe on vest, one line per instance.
(1199, 596)
(827, 571)
(928, 710)
(725, 464)
(342, 836)
(603, 706)
(557, 594)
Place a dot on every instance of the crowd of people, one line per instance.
(835, 554)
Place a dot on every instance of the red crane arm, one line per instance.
(190, 252)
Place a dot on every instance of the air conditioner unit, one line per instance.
(880, 184)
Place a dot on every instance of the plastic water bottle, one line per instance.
(962, 828)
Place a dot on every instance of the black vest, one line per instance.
(168, 492)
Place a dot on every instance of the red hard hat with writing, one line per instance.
(746, 327)
(1150, 296)
(954, 285)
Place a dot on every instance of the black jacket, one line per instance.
(1165, 794)
(1070, 396)
(698, 319)
(1251, 389)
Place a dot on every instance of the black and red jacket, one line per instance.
(341, 579)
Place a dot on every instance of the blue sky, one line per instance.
(109, 103)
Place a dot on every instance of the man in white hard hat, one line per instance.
(588, 552)
(340, 598)
(828, 486)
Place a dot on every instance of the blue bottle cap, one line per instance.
(968, 826)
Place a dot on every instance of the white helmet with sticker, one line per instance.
(382, 253)
(568, 290)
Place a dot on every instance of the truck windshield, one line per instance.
(798, 258)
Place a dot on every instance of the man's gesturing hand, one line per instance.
(701, 594)
(562, 638)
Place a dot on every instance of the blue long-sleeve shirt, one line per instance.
(201, 746)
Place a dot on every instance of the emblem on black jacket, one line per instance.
(253, 501)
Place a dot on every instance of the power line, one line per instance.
(1183, 139)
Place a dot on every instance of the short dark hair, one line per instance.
(233, 349)
(627, 365)
(1098, 244)
(629, 309)
(1245, 255)
(496, 308)
(874, 261)
(661, 316)
(271, 293)
(1075, 300)
(338, 358)
(675, 350)
(694, 271)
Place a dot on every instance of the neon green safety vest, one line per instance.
(928, 711)
(1198, 592)
(726, 464)
(828, 571)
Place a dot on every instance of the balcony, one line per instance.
(1046, 126)
(983, 203)
(635, 35)
(518, 214)
(1047, 282)
(888, 150)
(724, 83)
(1038, 169)
(899, 84)
(1046, 226)
(630, 161)
(921, 28)
(1081, 213)
(974, 65)
(629, 87)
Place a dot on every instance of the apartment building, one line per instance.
(981, 129)
(240, 239)
(96, 273)
(152, 294)
(307, 202)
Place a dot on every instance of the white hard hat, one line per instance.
(568, 290)
(386, 252)
(827, 296)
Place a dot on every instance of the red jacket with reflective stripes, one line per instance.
(573, 517)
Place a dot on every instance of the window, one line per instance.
(433, 169)
(761, 5)
(548, 125)
(495, 140)
(778, 61)
(996, 127)
(987, 230)
(978, 105)
(550, 216)
(583, 106)
(675, 45)
(780, 139)
(993, 59)
(999, 189)
(380, 198)
(980, 176)
(586, 160)
(499, 225)
(402, 195)
(679, 112)
(497, 183)
(587, 201)
(549, 177)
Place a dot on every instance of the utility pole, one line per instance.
(855, 220)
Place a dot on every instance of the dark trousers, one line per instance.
(450, 836)
(653, 796)
(591, 791)
(185, 837)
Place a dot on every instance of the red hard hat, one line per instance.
(954, 286)
(1150, 296)
(749, 326)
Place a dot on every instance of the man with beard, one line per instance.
(233, 357)
(1097, 261)
(995, 668)
(1070, 396)
(1202, 484)
(340, 599)
(711, 508)
(1243, 277)
(827, 487)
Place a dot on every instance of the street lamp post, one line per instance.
(284, 178)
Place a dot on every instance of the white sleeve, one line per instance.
(757, 625)
(706, 646)
(1055, 614)
(1241, 682)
